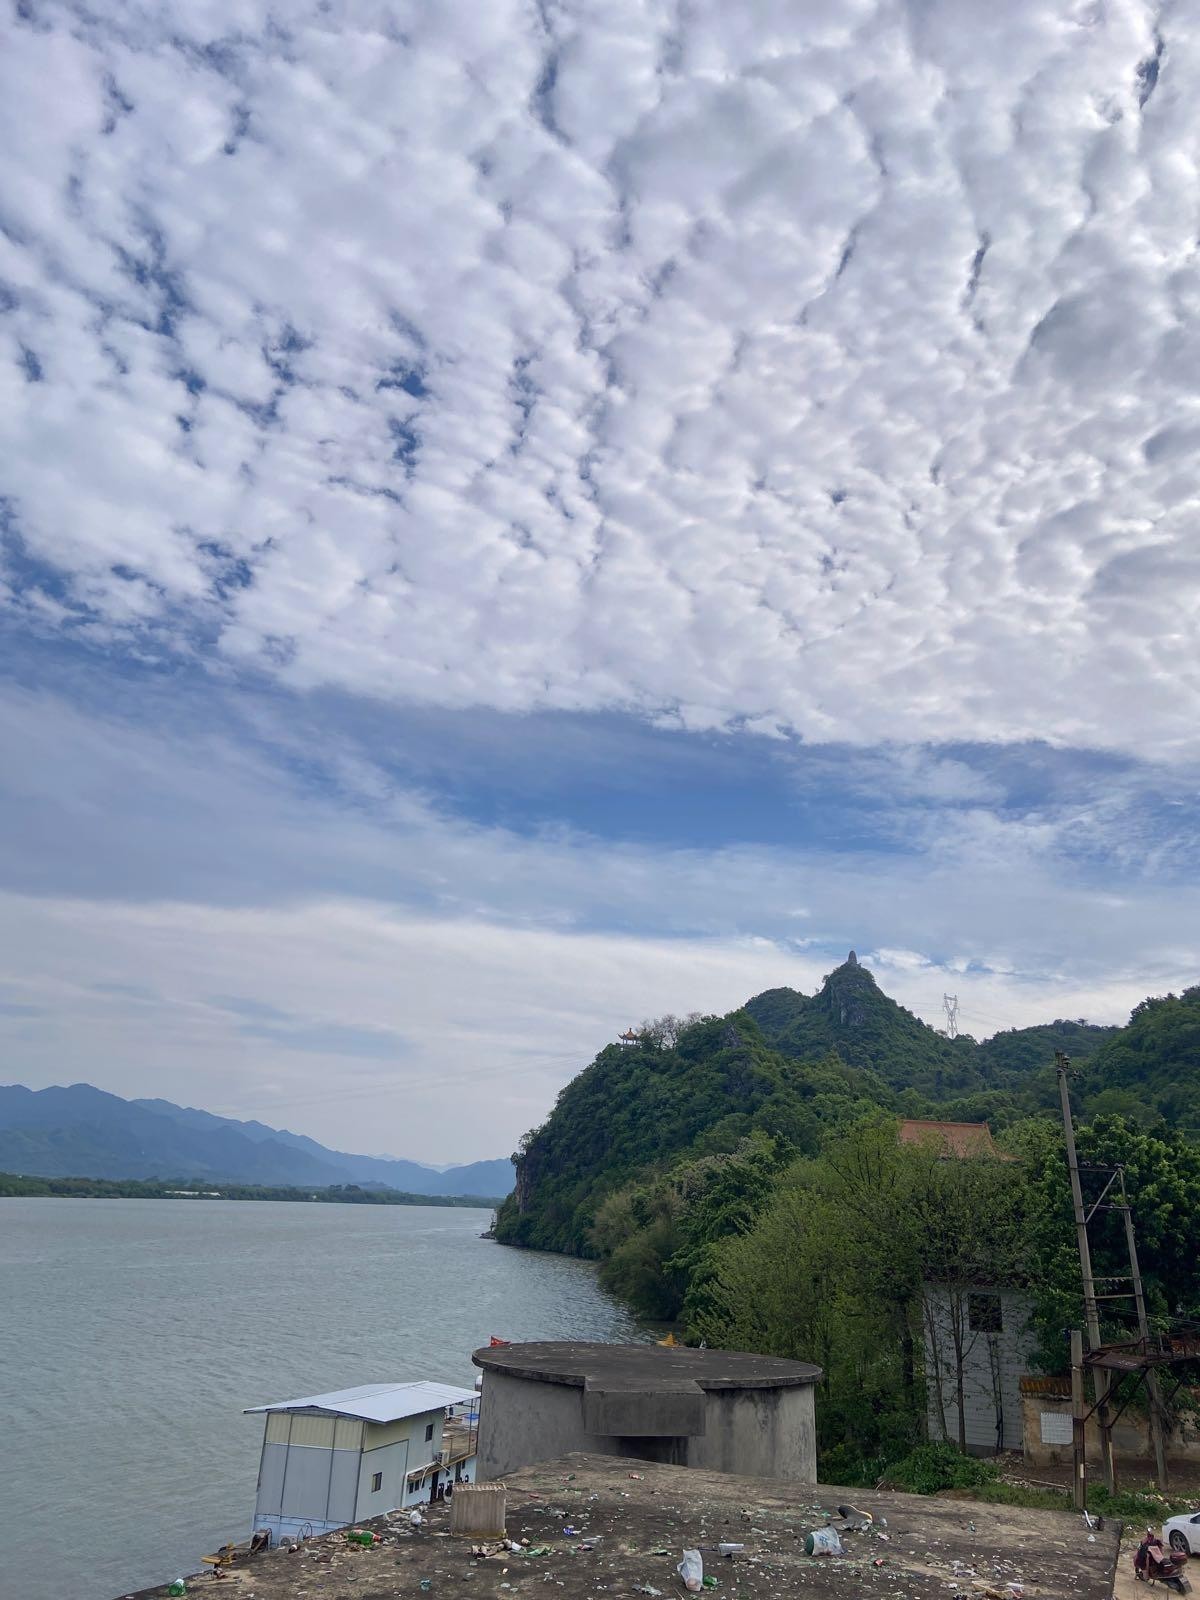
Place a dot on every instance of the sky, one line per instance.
(519, 518)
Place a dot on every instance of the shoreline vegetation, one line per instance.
(15, 1186)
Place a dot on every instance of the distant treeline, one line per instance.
(11, 1184)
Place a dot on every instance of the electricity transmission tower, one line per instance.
(950, 1007)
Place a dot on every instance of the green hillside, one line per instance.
(1151, 1068)
(639, 1106)
(851, 1014)
(795, 1067)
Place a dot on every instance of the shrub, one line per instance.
(931, 1467)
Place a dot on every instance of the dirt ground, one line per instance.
(603, 1528)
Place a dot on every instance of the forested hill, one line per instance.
(796, 1066)
(850, 1014)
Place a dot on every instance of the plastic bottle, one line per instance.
(178, 1587)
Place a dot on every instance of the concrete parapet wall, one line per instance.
(752, 1432)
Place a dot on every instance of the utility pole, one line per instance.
(1078, 1422)
(1062, 1064)
(1157, 1440)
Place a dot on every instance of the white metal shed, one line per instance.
(332, 1459)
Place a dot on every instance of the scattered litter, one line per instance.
(824, 1542)
(178, 1587)
(691, 1570)
(425, 1585)
(637, 1477)
(416, 1519)
(729, 1550)
(710, 1583)
(648, 1588)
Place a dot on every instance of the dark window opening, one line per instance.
(377, 1483)
(984, 1314)
(428, 1432)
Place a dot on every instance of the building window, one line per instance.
(428, 1432)
(984, 1314)
(377, 1483)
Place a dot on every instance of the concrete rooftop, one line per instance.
(648, 1366)
(633, 1520)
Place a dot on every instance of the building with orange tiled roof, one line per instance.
(958, 1139)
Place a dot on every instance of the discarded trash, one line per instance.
(425, 1585)
(636, 1476)
(416, 1519)
(648, 1588)
(710, 1583)
(569, 1531)
(824, 1542)
(360, 1536)
(178, 1587)
(728, 1549)
(691, 1570)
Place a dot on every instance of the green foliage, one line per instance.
(796, 1067)
(658, 1238)
(1162, 1177)
(637, 1110)
(1154, 1064)
(930, 1468)
(743, 1176)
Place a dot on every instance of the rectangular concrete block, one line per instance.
(478, 1510)
(666, 1411)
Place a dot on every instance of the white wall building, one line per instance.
(332, 1459)
(985, 1332)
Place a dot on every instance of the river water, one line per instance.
(133, 1333)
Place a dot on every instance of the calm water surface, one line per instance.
(133, 1332)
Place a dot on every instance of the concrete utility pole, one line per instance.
(1157, 1439)
(1062, 1064)
(1078, 1422)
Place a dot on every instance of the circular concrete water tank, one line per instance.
(724, 1410)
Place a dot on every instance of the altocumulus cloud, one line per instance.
(826, 367)
(518, 516)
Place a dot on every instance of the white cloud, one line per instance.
(486, 1023)
(279, 928)
(831, 366)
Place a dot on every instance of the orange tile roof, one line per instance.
(960, 1139)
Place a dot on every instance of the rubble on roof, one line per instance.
(602, 1528)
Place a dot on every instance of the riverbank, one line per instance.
(15, 1186)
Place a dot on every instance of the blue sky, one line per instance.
(514, 522)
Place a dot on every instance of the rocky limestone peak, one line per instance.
(846, 992)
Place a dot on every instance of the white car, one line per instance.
(1182, 1533)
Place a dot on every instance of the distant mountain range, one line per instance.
(82, 1132)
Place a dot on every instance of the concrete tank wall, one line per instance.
(758, 1433)
(762, 1433)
